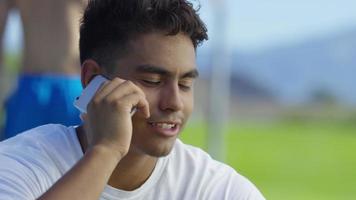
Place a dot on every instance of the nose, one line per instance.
(171, 99)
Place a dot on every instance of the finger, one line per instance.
(120, 90)
(144, 107)
(142, 103)
(136, 100)
(125, 88)
(107, 88)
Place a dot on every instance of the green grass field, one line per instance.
(291, 160)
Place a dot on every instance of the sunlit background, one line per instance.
(277, 94)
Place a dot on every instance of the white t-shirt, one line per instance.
(31, 162)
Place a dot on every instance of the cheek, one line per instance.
(188, 101)
(152, 98)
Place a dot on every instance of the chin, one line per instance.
(156, 148)
(159, 152)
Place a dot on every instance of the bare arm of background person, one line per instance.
(109, 131)
(4, 11)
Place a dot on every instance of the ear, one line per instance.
(90, 68)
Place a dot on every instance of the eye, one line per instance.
(186, 85)
(151, 82)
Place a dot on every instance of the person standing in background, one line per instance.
(48, 79)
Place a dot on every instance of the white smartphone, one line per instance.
(81, 102)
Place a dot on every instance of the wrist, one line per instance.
(108, 155)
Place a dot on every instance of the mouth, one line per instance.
(166, 129)
(163, 125)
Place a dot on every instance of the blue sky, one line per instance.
(257, 24)
(253, 25)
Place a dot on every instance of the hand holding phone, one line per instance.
(81, 103)
(107, 105)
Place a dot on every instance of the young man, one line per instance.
(49, 75)
(147, 49)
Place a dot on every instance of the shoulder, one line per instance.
(31, 137)
(211, 178)
(36, 138)
(34, 160)
(43, 149)
(37, 146)
(52, 141)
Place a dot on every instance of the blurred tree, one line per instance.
(323, 96)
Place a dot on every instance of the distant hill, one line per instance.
(295, 72)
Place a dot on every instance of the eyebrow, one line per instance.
(160, 71)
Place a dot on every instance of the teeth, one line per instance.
(164, 125)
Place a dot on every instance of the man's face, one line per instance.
(164, 67)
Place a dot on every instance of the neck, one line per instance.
(131, 172)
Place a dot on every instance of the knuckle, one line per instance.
(95, 101)
(116, 79)
(138, 95)
(106, 101)
(115, 103)
(141, 95)
(130, 83)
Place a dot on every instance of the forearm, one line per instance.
(4, 10)
(87, 179)
(5, 6)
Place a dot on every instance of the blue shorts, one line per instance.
(42, 99)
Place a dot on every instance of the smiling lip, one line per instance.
(166, 129)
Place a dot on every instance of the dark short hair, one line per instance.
(108, 25)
